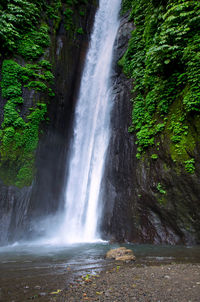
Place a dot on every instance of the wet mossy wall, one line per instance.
(39, 87)
(163, 59)
(27, 31)
(152, 183)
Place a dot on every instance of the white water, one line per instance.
(91, 131)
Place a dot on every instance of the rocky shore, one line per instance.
(137, 283)
(118, 276)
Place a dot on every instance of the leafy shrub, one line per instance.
(190, 166)
(24, 35)
(20, 136)
(163, 59)
(160, 189)
(31, 45)
(154, 156)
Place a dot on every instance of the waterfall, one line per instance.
(91, 131)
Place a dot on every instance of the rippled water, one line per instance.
(28, 271)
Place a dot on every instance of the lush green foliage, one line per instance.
(126, 5)
(32, 44)
(163, 58)
(24, 35)
(19, 136)
(18, 17)
(189, 165)
(72, 19)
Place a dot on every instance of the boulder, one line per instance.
(121, 254)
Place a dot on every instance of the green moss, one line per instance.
(161, 195)
(18, 146)
(181, 132)
(19, 136)
(25, 174)
(163, 59)
(24, 35)
(72, 19)
(160, 189)
(154, 156)
(68, 18)
(126, 5)
(53, 12)
(45, 64)
(36, 85)
(138, 155)
(31, 45)
(17, 17)
(190, 165)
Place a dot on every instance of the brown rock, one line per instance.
(121, 254)
(126, 258)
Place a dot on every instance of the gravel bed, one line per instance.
(133, 282)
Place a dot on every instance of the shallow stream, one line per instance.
(34, 271)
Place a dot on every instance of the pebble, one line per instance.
(167, 277)
(130, 283)
(26, 286)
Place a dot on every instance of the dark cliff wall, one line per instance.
(20, 206)
(151, 194)
(117, 188)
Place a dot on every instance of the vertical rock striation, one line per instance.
(118, 190)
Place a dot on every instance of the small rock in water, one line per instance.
(121, 254)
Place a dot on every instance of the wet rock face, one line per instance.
(172, 215)
(20, 207)
(13, 212)
(118, 190)
(144, 200)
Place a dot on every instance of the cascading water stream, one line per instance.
(91, 131)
